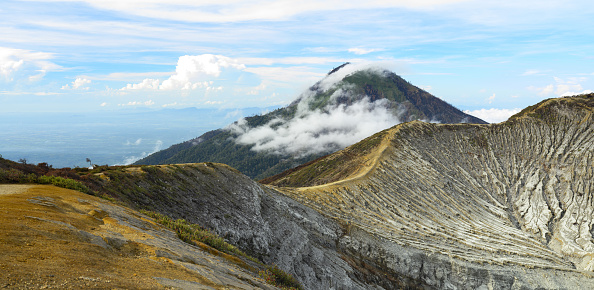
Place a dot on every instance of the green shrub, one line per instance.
(63, 182)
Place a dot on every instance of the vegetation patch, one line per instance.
(277, 277)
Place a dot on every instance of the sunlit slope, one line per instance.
(519, 192)
(57, 238)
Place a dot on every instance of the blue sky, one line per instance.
(489, 57)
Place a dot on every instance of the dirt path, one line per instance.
(13, 188)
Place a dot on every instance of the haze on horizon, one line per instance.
(486, 57)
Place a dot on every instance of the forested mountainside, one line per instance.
(264, 145)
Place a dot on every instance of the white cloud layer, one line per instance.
(238, 10)
(318, 131)
(493, 115)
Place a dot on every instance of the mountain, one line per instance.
(349, 104)
(416, 206)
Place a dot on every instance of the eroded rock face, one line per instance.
(506, 198)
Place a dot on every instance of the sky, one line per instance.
(489, 58)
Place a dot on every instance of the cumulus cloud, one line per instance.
(192, 72)
(318, 131)
(78, 84)
(17, 64)
(493, 115)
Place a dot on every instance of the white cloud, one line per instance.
(256, 90)
(291, 60)
(131, 159)
(493, 115)
(170, 105)
(359, 51)
(318, 131)
(17, 64)
(103, 104)
(150, 84)
(532, 72)
(570, 93)
(193, 72)
(137, 103)
(569, 86)
(135, 143)
(491, 98)
(562, 87)
(78, 84)
(378, 66)
(543, 91)
(287, 74)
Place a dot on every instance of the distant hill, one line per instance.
(349, 104)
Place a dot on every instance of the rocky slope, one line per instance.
(420, 205)
(371, 95)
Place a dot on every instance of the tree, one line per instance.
(23, 160)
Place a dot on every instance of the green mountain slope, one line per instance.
(343, 88)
